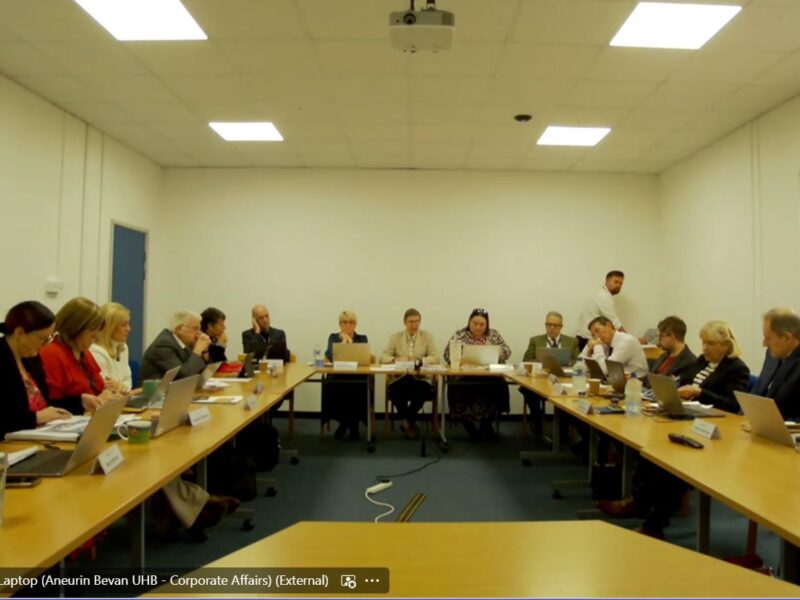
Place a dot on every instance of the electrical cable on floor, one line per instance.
(384, 478)
(374, 490)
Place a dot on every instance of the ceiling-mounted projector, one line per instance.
(418, 30)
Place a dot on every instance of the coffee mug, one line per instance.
(242, 358)
(594, 387)
(263, 366)
(149, 387)
(136, 432)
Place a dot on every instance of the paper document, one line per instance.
(218, 400)
(20, 455)
(62, 430)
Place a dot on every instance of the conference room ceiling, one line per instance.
(323, 71)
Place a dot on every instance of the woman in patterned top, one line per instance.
(28, 327)
(476, 404)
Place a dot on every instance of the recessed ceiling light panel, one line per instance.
(673, 25)
(144, 20)
(557, 135)
(247, 132)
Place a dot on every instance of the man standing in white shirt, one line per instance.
(601, 305)
(608, 343)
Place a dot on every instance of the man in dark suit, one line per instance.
(259, 339)
(780, 376)
(677, 360)
(183, 345)
(553, 323)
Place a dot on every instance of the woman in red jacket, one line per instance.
(73, 377)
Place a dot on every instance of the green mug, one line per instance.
(149, 387)
(136, 432)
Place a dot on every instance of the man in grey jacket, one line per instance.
(182, 345)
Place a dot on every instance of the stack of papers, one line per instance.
(20, 455)
(218, 400)
(61, 430)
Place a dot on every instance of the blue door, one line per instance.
(128, 272)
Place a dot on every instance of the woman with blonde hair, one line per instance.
(718, 371)
(73, 376)
(110, 349)
(344, 397)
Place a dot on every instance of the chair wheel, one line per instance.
(557, 495)
(526, 462)
(248, 525)
(271, 492)
(294, 461)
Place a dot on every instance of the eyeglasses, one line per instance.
(553, 324)
(350, 322)
(46, 340)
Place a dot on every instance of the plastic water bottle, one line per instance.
(319, 360)
(579, 379)
(455, 354)
(633, 397)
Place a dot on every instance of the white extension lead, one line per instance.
(379, 487)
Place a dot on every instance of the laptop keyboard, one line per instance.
(44, 462)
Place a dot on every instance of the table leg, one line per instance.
(370, 409)
(790, 562)
(202, 473)
(628, 460)
(137, 524)
(703, 523)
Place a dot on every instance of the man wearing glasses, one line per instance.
(677, 360)
(553, 323)
(183, 345)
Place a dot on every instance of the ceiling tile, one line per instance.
(592, 22)
(551, 62)
(248, 19)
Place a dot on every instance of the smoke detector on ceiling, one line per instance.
(428, 29)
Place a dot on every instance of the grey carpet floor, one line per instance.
(472, 482)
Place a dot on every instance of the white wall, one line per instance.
(730, 228)
(62, 183)
(310, 243)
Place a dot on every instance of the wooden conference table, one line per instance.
(540, 559)
(750, 474)
(45, 523)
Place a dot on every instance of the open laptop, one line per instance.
(176, 404)
(551, 364)
(247, 366)
(766, 420)
(208, 373)
(616, 377)
(276, 350)
(357, 353)
(665, 391)
(562, 355)
(595, 370)
(475, 354)
(55, 463)
(157, 397)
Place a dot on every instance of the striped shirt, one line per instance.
(704, 373)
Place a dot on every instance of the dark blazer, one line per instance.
(334, 339)
(731, 375)
(216, 353)
(258, 343)
(15, 413)
(683, 368)
(540, 341)
(785, 378)
(164, 354)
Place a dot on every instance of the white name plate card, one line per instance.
(584, 406)
(250, 403)
(404, 365)
(558, 389)
(198, 416)
(345, 365)
(108, 460)
(706, 429)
